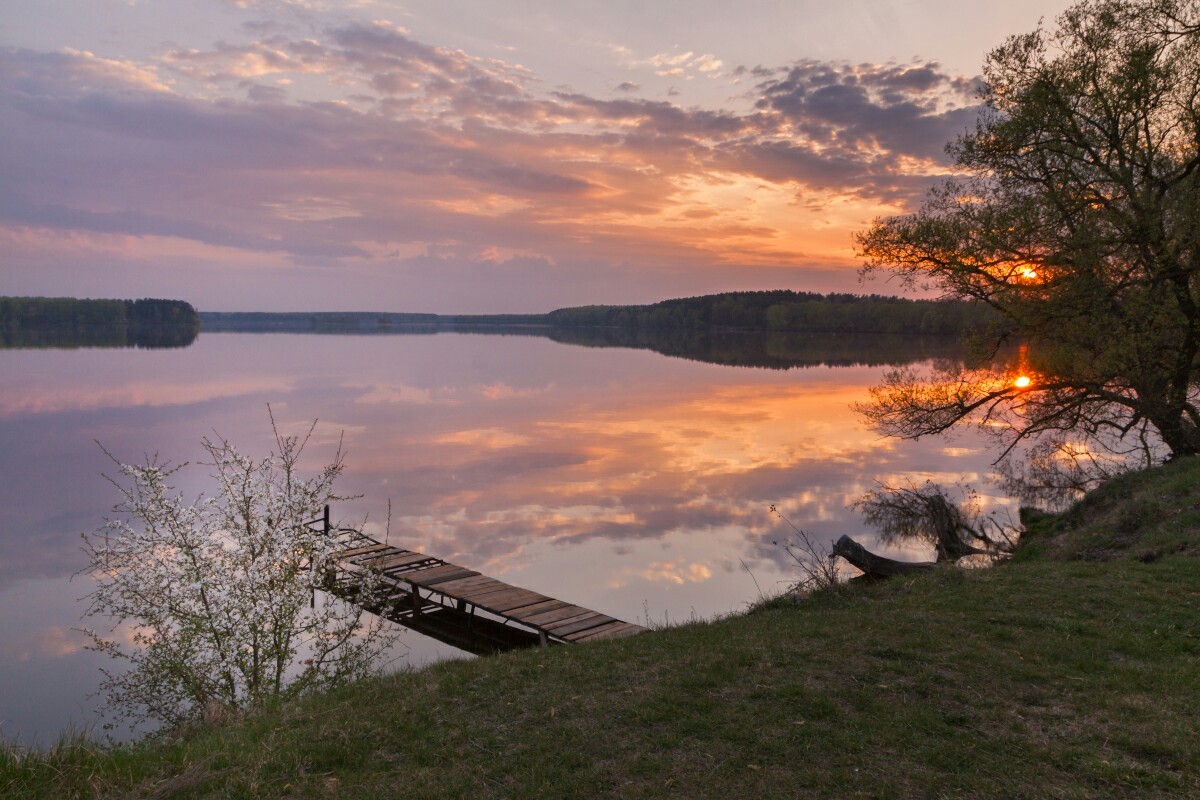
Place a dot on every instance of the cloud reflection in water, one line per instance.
(618, 479)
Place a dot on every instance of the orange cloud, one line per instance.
(406, 159)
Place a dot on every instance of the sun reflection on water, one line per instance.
(619, 480)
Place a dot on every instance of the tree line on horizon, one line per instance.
(789, 311)
(778, 311)
(70, 322)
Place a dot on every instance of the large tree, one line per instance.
(1075, 213)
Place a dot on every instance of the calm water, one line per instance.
(621, 480)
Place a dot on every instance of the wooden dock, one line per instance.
(460, 606)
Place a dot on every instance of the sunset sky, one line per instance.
(468, 157)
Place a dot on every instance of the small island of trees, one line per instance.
(68, 322)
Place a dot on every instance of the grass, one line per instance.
(1064, 674)
(1142, 515)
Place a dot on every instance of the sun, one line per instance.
(1022, 382)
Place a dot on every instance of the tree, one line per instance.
(1075, 213)
(927, 514)
(216, 604)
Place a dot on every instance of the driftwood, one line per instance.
(875, 566)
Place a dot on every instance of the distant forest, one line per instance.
(786, 311)
(769, 329)
(67, 322)
(777, 330)
(764, 312)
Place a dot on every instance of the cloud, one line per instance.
(52, 643)
(392, 394)
(361, 148)
(868, 111)
(706, 63)
(227, 62)
(655, 462)
(138, 394)
(671, 572)
(71, 72)
(685, 65)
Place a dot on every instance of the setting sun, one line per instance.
(1022, 382)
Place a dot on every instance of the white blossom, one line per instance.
(223, 596)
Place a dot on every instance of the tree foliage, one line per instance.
(69, 322)
(928, 514)
(783, 311)
(770, 311)
(1075, 214)
(218, 603)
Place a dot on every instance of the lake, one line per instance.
(619, 479)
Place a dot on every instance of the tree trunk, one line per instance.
(875, 566)
(950, 528)
(1180, 436)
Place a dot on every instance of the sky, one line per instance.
(471, 156)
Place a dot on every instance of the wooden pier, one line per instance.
(460, 606)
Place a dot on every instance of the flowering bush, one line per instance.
(217, 605)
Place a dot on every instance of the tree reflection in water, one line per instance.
(613, 477)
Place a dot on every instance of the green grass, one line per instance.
(1059, 675)
(1142, 515)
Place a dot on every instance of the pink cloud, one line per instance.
(410, 159)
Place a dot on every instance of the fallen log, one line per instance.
(875, 566)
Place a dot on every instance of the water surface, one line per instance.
(618, 479)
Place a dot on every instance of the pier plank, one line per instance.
(587, 621)
(358, 551)
(393, 561)
(481, 593)
(524, 612)
(436, 583)
(614, 630)
(439, 572)
(525, 598)
(474, 583)
(450, 588)
(556, 616)
(493, 601)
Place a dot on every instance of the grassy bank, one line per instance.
(1072, 672)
